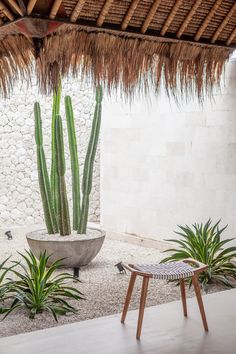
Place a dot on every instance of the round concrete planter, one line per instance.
(78, 250)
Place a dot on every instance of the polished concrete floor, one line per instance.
(165, 331)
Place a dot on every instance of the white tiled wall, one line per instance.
(164, 164)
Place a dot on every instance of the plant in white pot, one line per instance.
(77, 245)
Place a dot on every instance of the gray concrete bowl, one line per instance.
(77, 250)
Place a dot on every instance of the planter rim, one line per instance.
(42, 235)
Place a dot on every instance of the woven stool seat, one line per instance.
(168, 271)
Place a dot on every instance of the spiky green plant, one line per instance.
(44, 184)
(39, 288)
(89, 162)
(203, 243)
(74, 162)
(63, 208)
(54, 196)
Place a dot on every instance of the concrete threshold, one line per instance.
(165, 331)
(139, 240)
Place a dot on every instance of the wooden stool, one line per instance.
(169, 271)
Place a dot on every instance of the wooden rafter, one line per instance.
(150, 15)
(170, 17)
(22, 6)
(6, 11)
(55, 7)
(207, 20)
(76, 11)
(188, 18)
(30, 6)
(231, 37)
(104, 12)
(16, 7)
(129, 14)
(224, 23)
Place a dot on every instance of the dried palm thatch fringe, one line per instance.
(131, 64)
(16, 58)
(118, 62)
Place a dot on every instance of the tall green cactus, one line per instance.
(63, 208)
(53, 177)
(74, 162)
(54, 197)
(44, 184)
(89, 162)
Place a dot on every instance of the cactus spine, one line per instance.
(44, 184)
(53, 179)
(74, 162)
(63, 208)
(89, 162)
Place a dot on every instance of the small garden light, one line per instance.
(76, 272)
(9, 235)
(120, 268)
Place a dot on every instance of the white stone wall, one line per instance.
(163, 164)
(20, 202)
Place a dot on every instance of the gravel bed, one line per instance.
(101, 283)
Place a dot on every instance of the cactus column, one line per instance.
(53, 179)
(44, 184)
(63, 208)
(89, 162)
(74, 162)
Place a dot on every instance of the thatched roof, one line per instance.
(134, 45)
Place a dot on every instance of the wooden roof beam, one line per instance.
(224, 23)
(22, 6)
(207, 20)
(16, 7)
(150, 15)
(129, 14)
(170, 17)
(55, 7)
(104, 12)
(188, 18)
(6, 11)
(30, 6)
(231, 37)
(75, 13)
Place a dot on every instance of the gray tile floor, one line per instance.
(165, 331)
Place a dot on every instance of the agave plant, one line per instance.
(53, 189)
(5, 284)
(203, 243)
(37, 288)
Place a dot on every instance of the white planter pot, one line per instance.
(78, 250)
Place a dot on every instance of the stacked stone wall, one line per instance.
(20, 202)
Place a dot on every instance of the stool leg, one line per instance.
(183, 296)
(128, 296)
(199, 300)
(142, 305)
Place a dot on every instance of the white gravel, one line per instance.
(102, 285)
